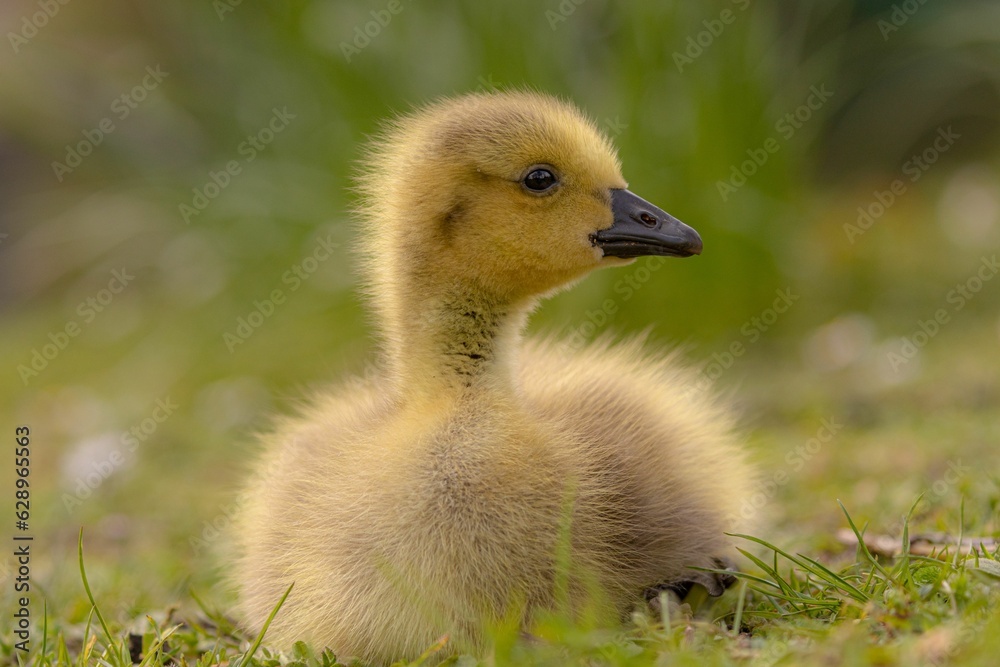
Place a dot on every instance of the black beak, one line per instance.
(642, 229)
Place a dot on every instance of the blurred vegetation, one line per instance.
(689, 94)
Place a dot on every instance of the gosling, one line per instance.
(437, 497)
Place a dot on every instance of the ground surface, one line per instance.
(154, 559)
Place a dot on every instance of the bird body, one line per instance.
(447, 492)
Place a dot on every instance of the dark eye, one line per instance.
(539, 180)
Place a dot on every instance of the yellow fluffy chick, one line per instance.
(437, 497)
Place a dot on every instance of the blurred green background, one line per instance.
(115, 116)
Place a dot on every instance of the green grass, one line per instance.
(805, 596)
(787, 609)
(139, 584)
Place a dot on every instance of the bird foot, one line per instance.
(715, 583)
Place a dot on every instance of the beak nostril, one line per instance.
(641, 229)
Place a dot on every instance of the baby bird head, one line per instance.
(513, 194)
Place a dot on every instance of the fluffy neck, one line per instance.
(448, 340)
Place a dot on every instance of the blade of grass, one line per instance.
(961, 530)
(840, 582)
(665, 613)
(809, 565)
(861, 542)
(740, 601)
(62, 653)
(779, 582)
(431, 650)
(755, 578)
(871, 583)
(931, 560)
(45, 631)
(222, 624)
(158, 644)
(85, 653)
(260, 635)
(86, 636)
(904, 562)
(784, 614)
(201, 605)
(806, 604)
(93, 602)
